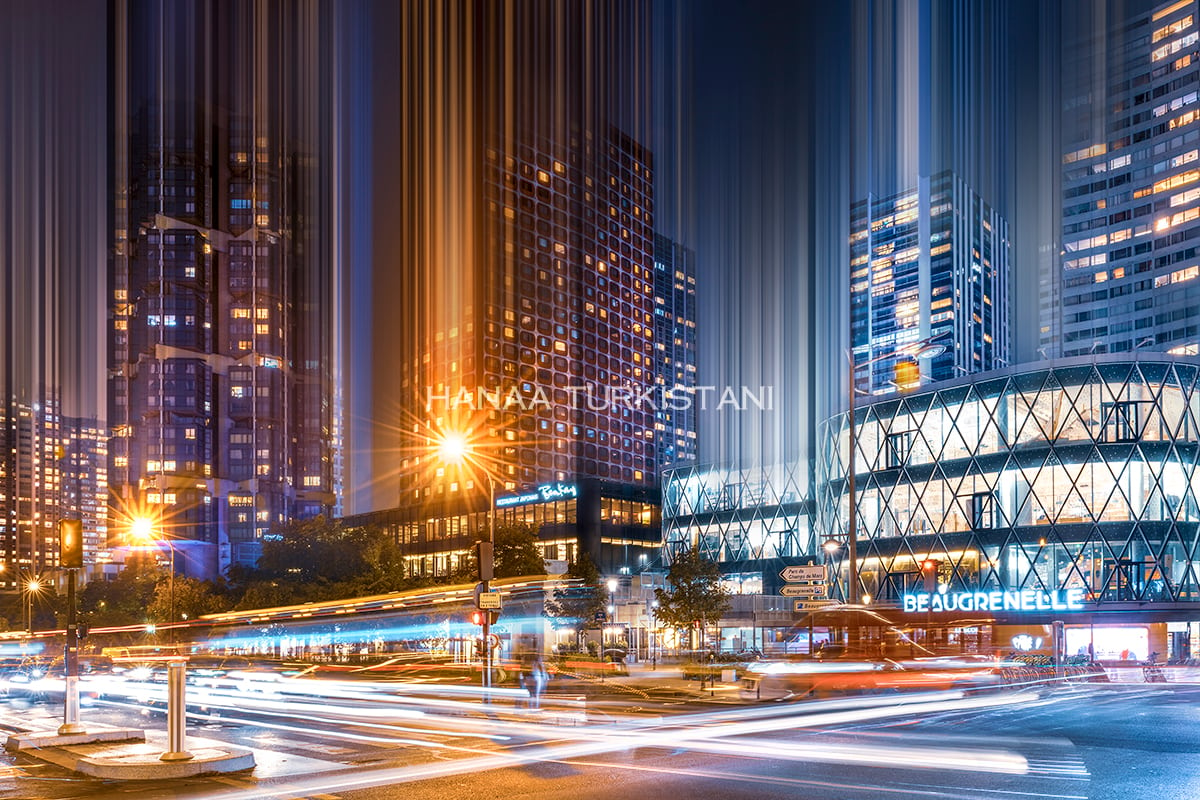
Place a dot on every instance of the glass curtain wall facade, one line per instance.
(674, 349)
(752, 522)
(928, 262)
(1130, 197)
(1080, 474)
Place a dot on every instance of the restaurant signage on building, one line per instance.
(1021, 600)
(544, 494)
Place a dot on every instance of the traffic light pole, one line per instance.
(70, 557)
(71, 662)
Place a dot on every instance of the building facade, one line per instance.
(1075, 481)
(53, 467)
(1130, 203)
(674, 351)
(928, 263)
(222, 274)
(517, 291)
(616, 526)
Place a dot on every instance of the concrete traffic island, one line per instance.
(139, 760)
(125, 754)
(95, 734)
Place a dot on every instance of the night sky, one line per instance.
(752, 129)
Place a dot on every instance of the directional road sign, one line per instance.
(798, 590)
(811, 605)
(812, 573)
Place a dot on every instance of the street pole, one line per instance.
(852, 517)
(171, 590)
(487, 613)
(70, 558)
(71, 662)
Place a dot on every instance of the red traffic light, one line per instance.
(477, 617)
(929, 565)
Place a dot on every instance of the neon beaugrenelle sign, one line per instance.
(1022, 600)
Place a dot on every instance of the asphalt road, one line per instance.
(1094, 741)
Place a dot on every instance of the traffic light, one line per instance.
(81, 631)
(929, 571)
(483, 558)
(70, 544)
(477, 617)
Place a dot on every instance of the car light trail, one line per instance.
(709, 739)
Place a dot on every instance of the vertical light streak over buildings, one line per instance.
(513, 248)
(932, 155)
(749, 205)
(1129, 274)
(51, 250)
(223, 275)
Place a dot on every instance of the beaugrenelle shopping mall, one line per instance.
(1062, 492)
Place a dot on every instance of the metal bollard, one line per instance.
(176, 712)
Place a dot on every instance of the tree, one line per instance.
(189, 598)
(124, 600)
(696, 598)
(516, 551)
(580, 603)
(515, 554)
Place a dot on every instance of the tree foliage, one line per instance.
(126, 599)
(187, 598)
(515, 553)
(580, 603)
(696, 597)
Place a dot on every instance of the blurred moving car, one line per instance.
(783, 680)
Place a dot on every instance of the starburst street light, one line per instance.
(142, 529)
(454, 448)
(33, 586)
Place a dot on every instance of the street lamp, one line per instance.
(142, 529)
(925, 348)
(32, 586)
(455, 448)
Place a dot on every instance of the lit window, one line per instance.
(189, 433)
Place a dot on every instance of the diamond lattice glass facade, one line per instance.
(1080, 474)
(750, 520)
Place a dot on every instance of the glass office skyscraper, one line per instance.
(1130, 185)
(222, 272)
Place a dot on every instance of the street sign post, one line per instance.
(800, 573)
(488, 600)
(810, 605)
(804, 590)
